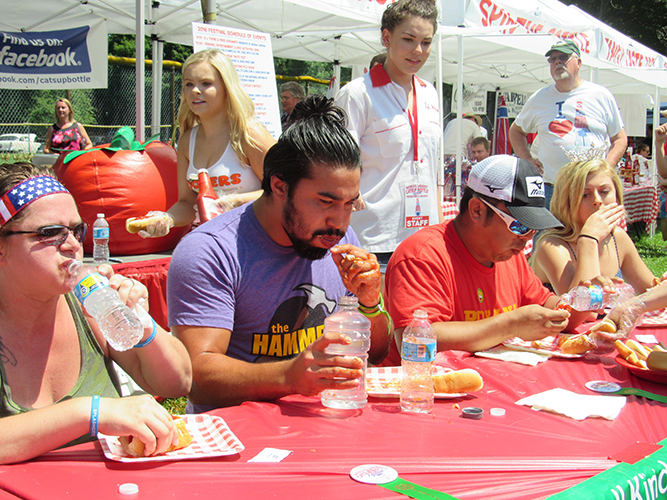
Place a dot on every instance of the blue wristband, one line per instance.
(94, 415)
(149, 339)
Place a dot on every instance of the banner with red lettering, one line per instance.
(568, 22)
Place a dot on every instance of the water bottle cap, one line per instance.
(74, 267)
(347, 300)
(420, 313)
(100, 215)
(128, 489)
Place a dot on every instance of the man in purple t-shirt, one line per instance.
(248, 291)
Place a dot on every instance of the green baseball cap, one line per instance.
(564, 46)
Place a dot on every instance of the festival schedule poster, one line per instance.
(251, 53)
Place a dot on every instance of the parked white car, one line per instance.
(19, 143)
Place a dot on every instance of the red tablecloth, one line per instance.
(526, 454)
(641, 204)
(153, 274)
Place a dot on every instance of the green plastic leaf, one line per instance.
(123, 140)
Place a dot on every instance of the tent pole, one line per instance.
(495, 124)
(157, 47)
(336, 65)
(459, 117)
(158, 50)
(441, 146)
(656, 123)
(140, 75)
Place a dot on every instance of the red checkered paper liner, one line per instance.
(654, 318)
(548, 346)
(385, 382)
(211, 437)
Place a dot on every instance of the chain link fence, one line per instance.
(103, 111)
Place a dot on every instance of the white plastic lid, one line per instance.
(498, 412)
(128, 489)
(374, 474)
(100, 215)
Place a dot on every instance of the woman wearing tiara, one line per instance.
(588, 200)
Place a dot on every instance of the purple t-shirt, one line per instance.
(230, 274)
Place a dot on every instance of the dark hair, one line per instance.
(397, 12)
(480, 140)
(642, 146)
(316, 136)
(468, 194)
(12, 174)
(380, 58)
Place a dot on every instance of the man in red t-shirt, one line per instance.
(470, 274)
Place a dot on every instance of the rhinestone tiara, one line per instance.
(585, 153)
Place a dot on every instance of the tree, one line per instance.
(124, 46)
(645, 22)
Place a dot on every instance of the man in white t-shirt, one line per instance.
(573, 115)
(470, 130)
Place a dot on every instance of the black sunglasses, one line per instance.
(55, 234)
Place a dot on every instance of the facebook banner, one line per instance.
(64, 59)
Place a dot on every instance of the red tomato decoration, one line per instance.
(121, 184)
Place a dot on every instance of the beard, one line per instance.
(293, 225)
(562, 75)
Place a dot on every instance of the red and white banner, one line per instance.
(567, 22)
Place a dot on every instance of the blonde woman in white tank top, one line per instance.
(219, 132)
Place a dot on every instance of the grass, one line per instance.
(652, 251)
(175, 406)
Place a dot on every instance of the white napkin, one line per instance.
(513, 356)
(576, 406)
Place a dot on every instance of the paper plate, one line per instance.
(385, 382)
(650, 375)
(211, 437)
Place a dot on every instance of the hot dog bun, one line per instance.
(577, 344)
(622, 349)
(136, 224)
(454, 382)
(135, 447)
(606, 325)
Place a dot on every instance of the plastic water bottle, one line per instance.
(418, 362)
(100, 239)
(119, 324)
(592, 298)
(349, 321)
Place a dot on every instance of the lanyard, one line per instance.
(414, 125)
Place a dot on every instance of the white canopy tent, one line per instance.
(498, 44)
(316, 30)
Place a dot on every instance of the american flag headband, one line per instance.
(24, 193)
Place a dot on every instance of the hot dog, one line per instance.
(136, 224)
(577, 344)
(454, 382)
(135, 447)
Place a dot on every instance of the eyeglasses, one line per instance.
(512, 224)
(563, 59)
(55, 234)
